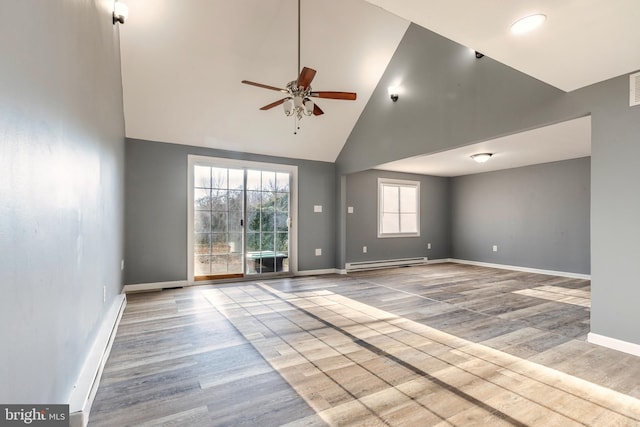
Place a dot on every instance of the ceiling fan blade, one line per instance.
(305, 77)
(349, 96)
(316, 110)
(247, 82)
(274, 104)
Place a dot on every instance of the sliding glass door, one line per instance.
(240, 220)
(267, 198)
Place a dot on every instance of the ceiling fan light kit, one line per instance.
(297, 102)
(298, 106)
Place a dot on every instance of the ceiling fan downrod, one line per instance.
(299, 69)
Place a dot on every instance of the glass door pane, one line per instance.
(267, 196)
(218, 212)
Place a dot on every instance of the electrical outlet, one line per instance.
(318, 251)
(428, 245)
(350, 209)
(495, 248)
(121, 265)
(364, 249)
(317, 208)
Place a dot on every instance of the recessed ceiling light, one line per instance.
(528, 23)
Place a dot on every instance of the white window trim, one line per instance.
(416, 184)
(193, 160)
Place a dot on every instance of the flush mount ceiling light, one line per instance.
(528, 23)
(481, 157)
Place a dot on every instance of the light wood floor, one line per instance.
(442, 344)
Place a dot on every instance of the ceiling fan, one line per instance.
(297, 101)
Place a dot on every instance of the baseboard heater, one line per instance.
(371, 265)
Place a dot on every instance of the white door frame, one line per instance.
(193, 160)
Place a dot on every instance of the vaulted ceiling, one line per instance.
(183, 61)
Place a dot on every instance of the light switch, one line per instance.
(317, 208)
(350, 209)
(318, 251)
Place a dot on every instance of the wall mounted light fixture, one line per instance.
(393, 93)
(481, 157)
(120, 13)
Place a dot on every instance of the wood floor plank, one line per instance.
(442, 344)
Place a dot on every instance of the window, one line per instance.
(398, 208)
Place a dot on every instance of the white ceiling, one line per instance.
(182, 62)
(582, 41)
(561, 141)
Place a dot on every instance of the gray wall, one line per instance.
(362, 224)
(538, 216)
(454, 100)
(61, 191)
(156, 209)
(615, 210)
(449, 98)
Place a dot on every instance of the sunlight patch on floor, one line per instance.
(556, 293)
(354, 363)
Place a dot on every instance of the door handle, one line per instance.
(242, 223)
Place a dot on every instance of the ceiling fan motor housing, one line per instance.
(298, 100)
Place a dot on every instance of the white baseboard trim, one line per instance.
(157, 286)
(440, 261)
(316, 272)
(524, 269)
(86, 386)
(614, 343)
